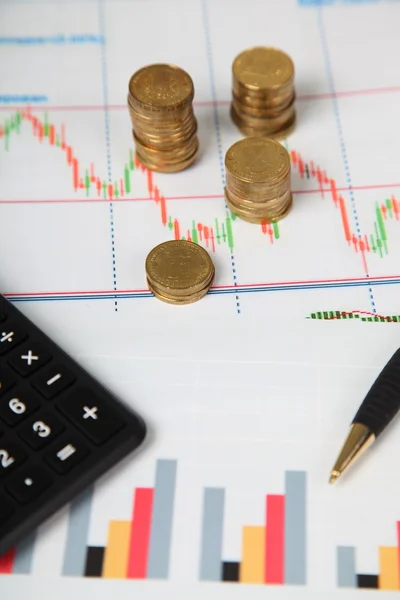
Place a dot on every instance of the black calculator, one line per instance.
(60, 429)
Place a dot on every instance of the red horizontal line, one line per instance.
(198, 197)
(216, 287)
(301, 97)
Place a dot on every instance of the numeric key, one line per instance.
(41, 430)
(11, 456)
(18, 404)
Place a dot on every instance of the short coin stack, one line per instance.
(179, 272)
(258, 180)
(263, 94)
(160, 103)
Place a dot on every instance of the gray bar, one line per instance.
(295, 528)
(77, 535)
(346, 566)
(24, 556)
(212, 534)
(162, 518)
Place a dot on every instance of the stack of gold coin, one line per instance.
(179, 272)
(160, 102)
(258, 180)
(263, 94)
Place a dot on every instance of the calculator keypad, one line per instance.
(57, 424)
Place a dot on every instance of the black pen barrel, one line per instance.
(382, 402)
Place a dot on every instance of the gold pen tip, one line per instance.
(334, 476)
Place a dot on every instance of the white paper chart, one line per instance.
(249, 393)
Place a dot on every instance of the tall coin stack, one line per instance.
(179, 272)
(258, 180)
(160, 102)
(263, 93)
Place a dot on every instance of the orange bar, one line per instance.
(389, 568)
(116, 553)
(253, 555)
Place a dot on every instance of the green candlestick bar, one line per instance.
(337, 315)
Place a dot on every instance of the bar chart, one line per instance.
(138, 548)
(387, 577)
(272, 553)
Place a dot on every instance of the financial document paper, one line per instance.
(249, 393)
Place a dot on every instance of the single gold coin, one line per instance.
(263, 68)
(179, 268)
(161, 86)
(258, 160)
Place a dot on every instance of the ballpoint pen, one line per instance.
(378, 408)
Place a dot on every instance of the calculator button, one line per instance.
(7, 379)
(10, 336)
(28, 358)
(53, 380)
(6, 509)
(29, 483)
(11, 456)
(18, 404)
(39, 431)
(91, 415)
(66, 454)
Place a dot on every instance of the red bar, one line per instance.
(163, 211)
(75, 174)
(212, 239)
(275, 539)
(63, 136)
(110, 191)
(293, 156)
(200, 230)
(345, 220)
(7, 562)
(395, 208)
(150, 182)
(176, 230)
(69, 154)
(52, 135)
(140, 533)
(334, 191)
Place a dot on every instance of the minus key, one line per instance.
(53, 380)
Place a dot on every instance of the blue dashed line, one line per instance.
(217, 124)
(341, 137)
(108, 140)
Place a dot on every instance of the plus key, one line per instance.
(91, 415)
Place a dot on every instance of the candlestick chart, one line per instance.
(88, 180)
